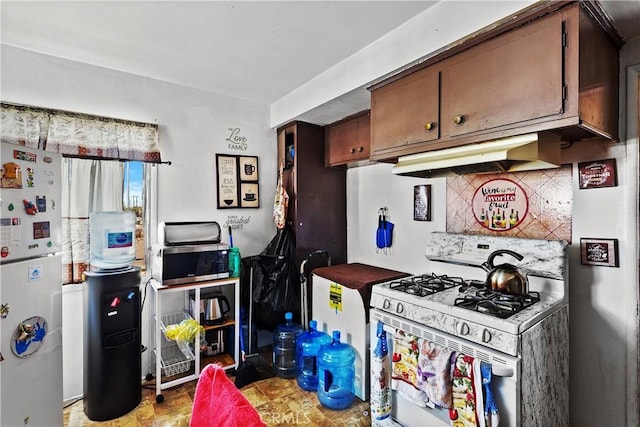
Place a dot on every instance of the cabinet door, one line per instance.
(317, 194)
(363, 148)
(506, 81)
(348, 141)
(405, 112)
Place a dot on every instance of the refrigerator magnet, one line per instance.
(11, 175)
(4, 311)
(28, 336)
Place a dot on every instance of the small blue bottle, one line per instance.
(307, 346)
(284, 347)
(336, 374)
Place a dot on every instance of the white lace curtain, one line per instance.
(92, 184)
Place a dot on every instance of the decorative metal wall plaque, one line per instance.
(602, 252)
(597, 174)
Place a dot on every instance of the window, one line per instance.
(133, 200)
(104, 168)
(98, 185)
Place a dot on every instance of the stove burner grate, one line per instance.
(425, 284)
(496, 304)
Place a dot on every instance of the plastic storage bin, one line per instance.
(112, 239)
(336, 373)
(307, 346)
(284, 347)
(174, 360)
(174, 319)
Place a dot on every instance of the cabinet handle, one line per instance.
(429, 126)
(360, 149)
(458, 120)
(353, 150)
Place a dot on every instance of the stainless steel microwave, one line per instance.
(174, 265)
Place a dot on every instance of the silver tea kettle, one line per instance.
(505, 278)
(215, 307)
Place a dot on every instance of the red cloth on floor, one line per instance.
(219, 403)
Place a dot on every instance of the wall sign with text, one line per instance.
(499, 204)
(603, 252)
(597, 174)
(237, 181)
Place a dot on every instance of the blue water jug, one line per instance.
(336, 373)
(307, 346)
(284, 347)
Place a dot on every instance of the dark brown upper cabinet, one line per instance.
(406, 112)
(557, 72)
(348, 140)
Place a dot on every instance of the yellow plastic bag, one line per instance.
(184, 331)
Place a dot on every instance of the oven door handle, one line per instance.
(501, 371)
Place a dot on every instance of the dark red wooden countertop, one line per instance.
(359, 276)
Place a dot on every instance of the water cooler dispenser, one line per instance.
(112, 317)
(112, 343)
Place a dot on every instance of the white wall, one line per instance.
(372, 187)
(193, 125)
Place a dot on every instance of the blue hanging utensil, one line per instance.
(380, 243)
(387, 227)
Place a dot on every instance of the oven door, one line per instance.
(505, 373)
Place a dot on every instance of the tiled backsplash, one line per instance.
(547, 195)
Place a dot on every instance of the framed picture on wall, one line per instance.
(598, 174)
(227, 179)
(422, 203)
(237, 181)
(249, 195)
(248, 168)
(603, 252)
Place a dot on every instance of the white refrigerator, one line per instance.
(30, 287)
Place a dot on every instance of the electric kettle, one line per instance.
(215, 308)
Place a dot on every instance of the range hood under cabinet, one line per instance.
(519, 153)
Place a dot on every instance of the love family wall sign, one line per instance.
(237, 181)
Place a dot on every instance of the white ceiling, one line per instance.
(253, 50)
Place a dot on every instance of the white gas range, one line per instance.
(525, 342)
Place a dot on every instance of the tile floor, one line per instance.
(279, 401)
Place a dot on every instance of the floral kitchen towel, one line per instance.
(434, 372)
(463, 412)
(404, 375)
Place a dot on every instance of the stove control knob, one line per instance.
(463, 328)
(386, 304)
(399, 308)
(484, 335)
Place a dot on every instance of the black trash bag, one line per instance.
(275, 281)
